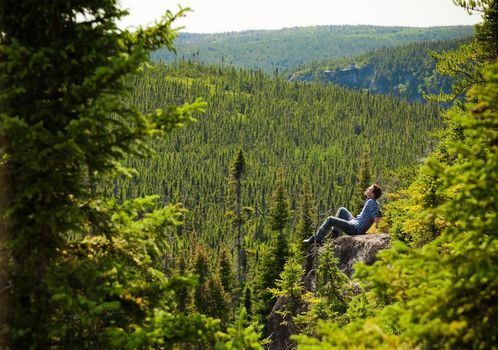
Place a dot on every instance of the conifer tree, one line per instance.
(305, 227)
(182, 294)
(200, 267)
(465, 65)
(279, 208)
(443, 296)
(279, 219)
(275, 256)
(237, 169)
(218, 300)
(290, 284)
(78, 261)
(225, 270)
(242, 335)
(363, 180)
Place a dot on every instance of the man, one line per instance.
(347, 223)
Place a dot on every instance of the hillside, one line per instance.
(407, 71)
(314, 133)
(280, 50)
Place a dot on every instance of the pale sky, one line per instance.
(216, 16)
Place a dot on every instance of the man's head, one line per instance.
(374, 191)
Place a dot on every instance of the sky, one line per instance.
(217, 16)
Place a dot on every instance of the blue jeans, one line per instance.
(341, 221)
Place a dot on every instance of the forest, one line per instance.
(151, 204)
(276, 51)
(407, 71)
(311, 134)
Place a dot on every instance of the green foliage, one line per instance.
(332, 293)
(290, 283)
(332, 284)
(272, 261)
(441, 295)
(225, 270)
(410, 216)
(463, 66)
(237, 214)
(243, 336)
(285, 131)
(407, 71)
(466, 64)
(279, 207)
(353, 336)
(280, 50)
(210, 296)
(85, 272)
(363, 181)
(305, 226)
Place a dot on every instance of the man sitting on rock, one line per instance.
(344, 221)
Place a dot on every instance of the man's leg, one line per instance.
(332, 221)
(337, 223)
(344, 214)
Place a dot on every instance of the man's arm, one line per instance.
(376, 220)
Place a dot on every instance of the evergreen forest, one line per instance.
(310, 134)
(154, 201)
(276, 51)
(407, 71)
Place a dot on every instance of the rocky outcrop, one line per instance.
(349, 250)
(352, 249)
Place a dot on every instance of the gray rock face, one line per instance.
(349, 250)
(352, 249)
(281, 324)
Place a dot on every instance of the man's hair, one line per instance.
(377, 190)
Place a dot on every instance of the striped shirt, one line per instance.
(366, 218)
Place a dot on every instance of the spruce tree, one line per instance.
(274, 256)
(200, 267)
(237, 169)
(279, 207)
(225, 270)
(305, 227)
(279, 219)
(443, 295)
(363, 180)
(79, 262)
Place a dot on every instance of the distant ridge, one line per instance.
(279, 50)
(406, 71)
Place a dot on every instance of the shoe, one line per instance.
(309, 240)
(335, 233)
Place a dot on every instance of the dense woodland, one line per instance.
(276, 51)
(312, 134)
(162, 206)
(407, 71)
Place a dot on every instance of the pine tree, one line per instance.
(218, 300)
(237, 169)
(200, 267)
(274, 257)
(290, 281)
(225, 270)
(363, 180)
(443, 296)
(182, 294)
(279, 208)
(242, 335)
(279, 218)
(79, 261)
(305, 227)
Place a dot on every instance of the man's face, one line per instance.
(369, 192)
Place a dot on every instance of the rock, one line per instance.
(281, 325)
(352, 249)
(349, 250)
